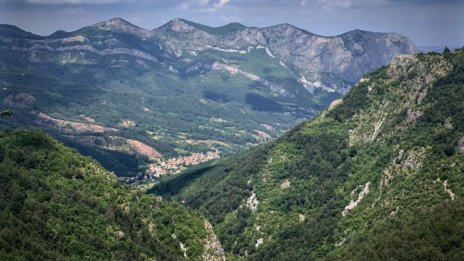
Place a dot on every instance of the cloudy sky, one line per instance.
(426, 22)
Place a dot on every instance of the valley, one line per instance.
(135, 99)
(232, 130)
(378, 175)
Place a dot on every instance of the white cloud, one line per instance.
(337, 3)
(75, 2)
(230, 19)
(221, 3)
(184, 6)
(207, 7)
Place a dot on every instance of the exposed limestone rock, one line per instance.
(377, 128)
(89, 48)
(368, 131)
(364, 79)
(212, 249)
(252, 201)
(400, 64)
(386, 177)
(259, 242)
(412, 115)
(119, 234)
(404, 164)
(285, 184)
(415, 157)
(302, 217)
(461, 145)
(353, 203)
(127, 124)
(448, 125)
(203, 101)
(450, 193)
(235, 69)
(76, 38)
(310, 86)
(335, 103)
(184, 249)
(421, 96)
(412, 162)
(120, 25)
(394, 212)
(445, 187)
(70, 57)
(417, 77)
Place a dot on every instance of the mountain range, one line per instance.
(149, 102)
(377, 175)
(372, 170)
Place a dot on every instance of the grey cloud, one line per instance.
(75, 2)
(424, 2)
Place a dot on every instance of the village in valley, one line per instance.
(173, 165)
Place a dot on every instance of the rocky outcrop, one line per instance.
(417, 75)
(354, 203)
(252, 201)
(461, 145)
(349, 55)
(212, 249)
(121, 26)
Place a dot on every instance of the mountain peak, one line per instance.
(183, 25)
(16, 32)
(286, 27)
(178, 25)
(117, 24)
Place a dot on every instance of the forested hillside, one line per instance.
(379, 175)
(58, 205)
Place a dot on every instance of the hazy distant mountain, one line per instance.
(436, 48)
(129, 96)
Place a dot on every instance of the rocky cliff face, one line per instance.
(347, 56)
(323, 62)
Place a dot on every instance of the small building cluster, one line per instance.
(175, 165)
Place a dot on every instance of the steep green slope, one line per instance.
(379, 175)
(58, 205)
